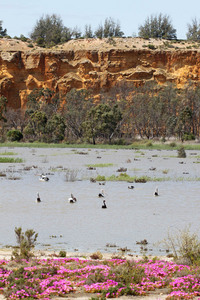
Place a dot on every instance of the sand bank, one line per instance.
(6, 253)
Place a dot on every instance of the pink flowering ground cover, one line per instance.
(45, 278)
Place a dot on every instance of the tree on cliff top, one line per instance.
(157, 27)
(49, 31)
(193, 30)
(3, 32)
(109, 29)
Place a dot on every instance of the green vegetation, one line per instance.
(26, 242)
(193, 30)
(109, 29)
(14, 135)
(157, 27)
(102, 120)
(142, 179)
(184, 245)
(128, 178)
(96, 255)
(100, 178)
(3, 32)
(10, 160)
(7, 153)
(152, 47)
(143, 113)
(181, 152)
(134, 145)
(62, 253)
(3, 103)
(100, 165)
(50, 31)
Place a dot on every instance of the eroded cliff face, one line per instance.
(91, 68)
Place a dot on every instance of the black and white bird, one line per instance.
(104, 204)
(38, 198)
(101, 194)
(72, 199)
(156, 192)
(131, 187)
(43, 178)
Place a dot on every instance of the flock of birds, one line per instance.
(73, 199)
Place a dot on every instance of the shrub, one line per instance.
(185, 246)
(163, 139)
(119, 142)
(172, 144)
(188, 137)
(111, 41)
(152, 47)
(62, 253)
(100, 178)
(149, 144)
(142, 179)
(181, 152)
(71, 175)
(128, 273)
(14, 135)
(98, 276)
(96, 255)
(26, 242)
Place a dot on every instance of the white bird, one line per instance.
(72, 199)
(38, 198)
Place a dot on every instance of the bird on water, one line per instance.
(104, 204)
(38, 198)
(101, 194)
(156, 192)
(72, 199)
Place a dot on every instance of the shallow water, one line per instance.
(131, 215)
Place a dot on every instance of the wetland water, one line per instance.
(131, 215)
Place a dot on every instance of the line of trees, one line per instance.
(49, 30)
(121, 115)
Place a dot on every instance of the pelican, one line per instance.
(131, 187)
(104, 204)
(72, 199)
(43, 178)
(38, 198)
(156, 192)
(101, 194)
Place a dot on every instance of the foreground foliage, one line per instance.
(44, 278)
(26, 242)
(185, 246)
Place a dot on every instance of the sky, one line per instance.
(20, 17)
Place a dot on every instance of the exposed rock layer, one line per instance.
(92, 68)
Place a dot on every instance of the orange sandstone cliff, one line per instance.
(92, 64)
